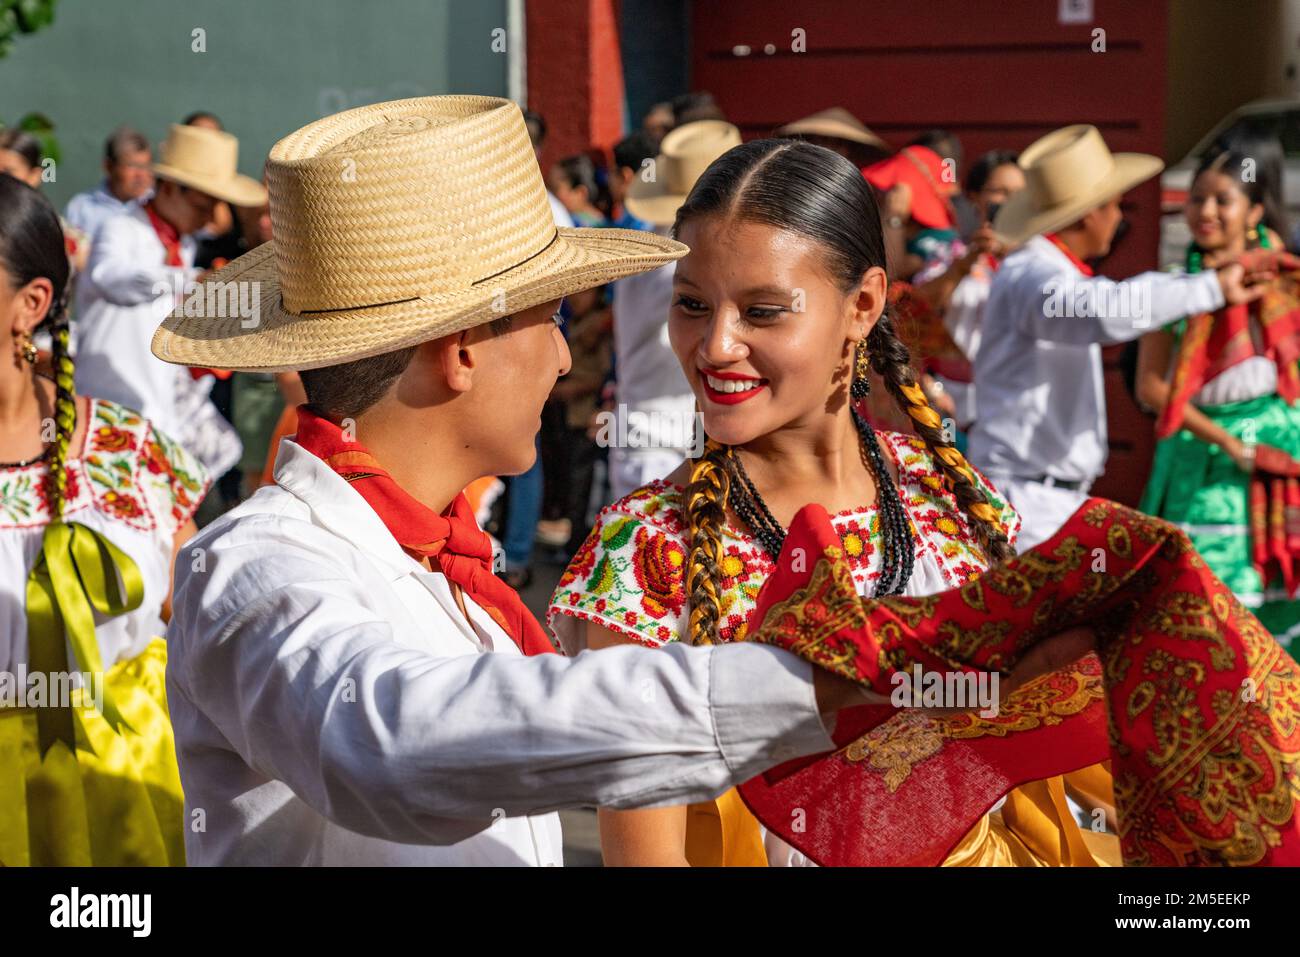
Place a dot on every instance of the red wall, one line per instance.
(999, 73)
(575, 74)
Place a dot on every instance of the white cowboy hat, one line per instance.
(208, 160)
(397, 223)
(1068, 172)
(684, 154)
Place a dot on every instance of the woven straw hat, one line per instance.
(397, 223)
(208, 160)
(1068, 172)
(684, 154)
(835, 122)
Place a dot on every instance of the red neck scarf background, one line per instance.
(452, 541)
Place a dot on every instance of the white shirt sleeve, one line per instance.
(1079, 310)
(311, 689)
(120, 272)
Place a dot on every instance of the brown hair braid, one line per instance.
(892, 362)
(706, 516)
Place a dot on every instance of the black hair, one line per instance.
(813, 191)
(536, 128)
(1259, 174)
(942, 142)
(579, 170)
(203, 115)
(24, 144)
(32, 247)
(632, 151)
(978, 175)
(699, 105)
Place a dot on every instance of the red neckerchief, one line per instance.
(452, 541)
(1079, 264)
(168, 235)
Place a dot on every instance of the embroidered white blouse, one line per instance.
(129, 482)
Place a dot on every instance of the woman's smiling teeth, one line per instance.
(732, 385)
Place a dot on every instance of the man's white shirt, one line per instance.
(332, 706)
(1041, 407)
(120, 302)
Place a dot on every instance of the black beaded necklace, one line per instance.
(898, 553)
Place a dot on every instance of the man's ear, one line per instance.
(868, 303)
(455, 356)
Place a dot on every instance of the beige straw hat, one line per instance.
(837, 123)
(208, 160)
(684, 154)
(398, 223)
(1068, 173)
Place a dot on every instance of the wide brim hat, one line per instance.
(684, 154)
(835, 122)
(207, 160)
(395, 224)
(1068, 173)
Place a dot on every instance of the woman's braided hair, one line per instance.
(32, 247)
(817, 193)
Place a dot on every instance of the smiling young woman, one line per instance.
(1206, 455)
(779, 314)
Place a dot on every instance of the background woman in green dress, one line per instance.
(1202, 471)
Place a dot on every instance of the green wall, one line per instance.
(270, 67)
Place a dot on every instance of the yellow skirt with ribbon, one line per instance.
(91, 780)
(117, 801)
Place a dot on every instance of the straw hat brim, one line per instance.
(833, 129)
(652, 203)
(239, 190)
(282, 341)
(1019, 219)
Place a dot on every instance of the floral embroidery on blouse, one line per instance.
(629, 575)
(127, 469)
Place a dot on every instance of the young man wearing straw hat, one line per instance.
(347, 679)
(140, 261)
(1040, 425)
(655, 404)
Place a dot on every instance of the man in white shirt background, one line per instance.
(655, 407)
(140, 262)
(128, 180)
(1040, 424)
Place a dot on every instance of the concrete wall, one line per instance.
(269, 67)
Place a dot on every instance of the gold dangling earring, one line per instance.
(860, 388)
(27, 348)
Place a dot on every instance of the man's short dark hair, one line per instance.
(536, 125)
(348, 389)
(351, 388)
(632, 151)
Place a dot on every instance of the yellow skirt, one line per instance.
(1033, 828)
(117, 802)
